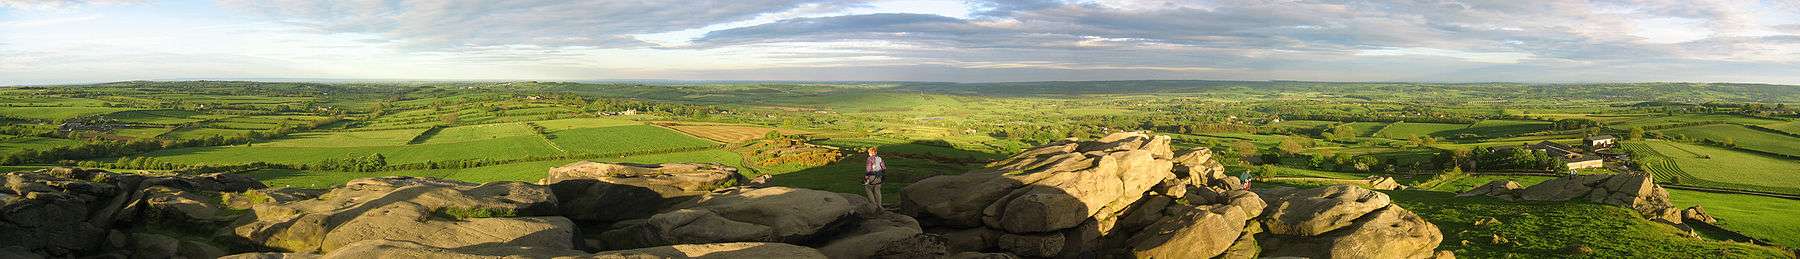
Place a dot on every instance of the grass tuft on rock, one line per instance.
(476, 213)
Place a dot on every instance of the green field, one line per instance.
(1700, 165)
(198, 133)
(500, 148)
(563, 124)
(1545, 229)
(347, 138)
(1761, 217)
(10, 143)
(1366, 129)
(1470, 182)
(1745, 137)
(140, 133)
(1404, 130)
(1660, 120)
(1499, 128)
(1792, 127)
(527, 171)
(56, 113)
(165, 117)
(622, 139)
(480, 132)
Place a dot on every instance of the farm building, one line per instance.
(1599, 142)
(1576, 158)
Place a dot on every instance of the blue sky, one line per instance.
(44, 41)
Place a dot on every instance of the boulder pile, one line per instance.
(63, 212)
(1635, 191)
(1130, 195)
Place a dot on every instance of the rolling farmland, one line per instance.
(1716, 167)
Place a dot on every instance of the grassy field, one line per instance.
(56, 113)
(10, 143)
(165, 117)
(347, 138)
(1499, 128)
(729, 133)
(576, 123)
(1716, 167)
(623, 138)
(1470, 182)
(1545, 229)
(527, 171)
(1404, 130)
(1656, 120)
(1792, 127)
(1761, 217)
(1365, 129)
(500, 148)
(197, 133)
(1745, 137)
(480, 132)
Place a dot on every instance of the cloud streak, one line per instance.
(1009, 40)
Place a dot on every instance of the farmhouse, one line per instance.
(1599, 142)
(1575, 158)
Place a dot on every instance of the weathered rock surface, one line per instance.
(407, 209)
(68, 212)
(680, 177)
(1315, 211)
(1635, 191)
(610, 192)
(774, 214)
(1346, 222)
(1505, 190)
(1199, 232)
(1697, 214)
(717, 250)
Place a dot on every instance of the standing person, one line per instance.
(872, 174)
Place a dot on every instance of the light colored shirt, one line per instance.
(875, 164)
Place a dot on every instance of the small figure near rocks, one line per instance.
(873, 172)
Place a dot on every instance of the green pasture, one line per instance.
(526, 171)
(1547, 229)
(622, 139)
(1716, 167)
(56, 113)
(480, 132)
(500, 148)
(1761, 217)
(576, 123)
(346, 138)
(1745, 137)
(1404, 130)
(10, 143)
(1499, 128)
(1657, 119)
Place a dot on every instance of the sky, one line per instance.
(1538, 41)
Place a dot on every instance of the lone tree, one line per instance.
(1637, 133)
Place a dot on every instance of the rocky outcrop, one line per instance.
(1127, 195)
(1697, 214)
(607, 192)
(66, 211)
(1505, 190)
(674, 177)
(1346, 222)
(1058, 199)
(774, 214)
(1635, 191)
(427, 211)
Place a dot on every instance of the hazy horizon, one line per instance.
(1622, 41)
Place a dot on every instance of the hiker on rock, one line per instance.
(872, 174)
